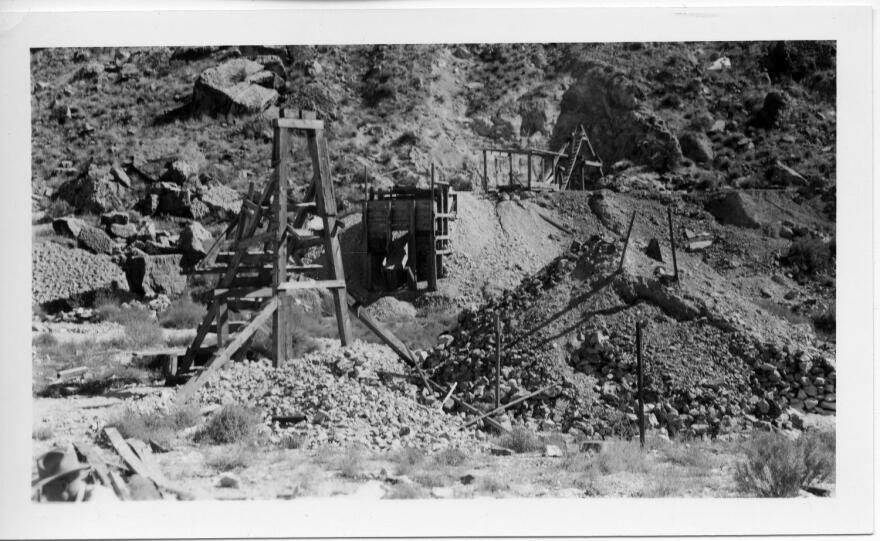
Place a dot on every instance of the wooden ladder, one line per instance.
(261, 250)
(579, 139)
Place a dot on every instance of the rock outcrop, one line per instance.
(612, 109)
(234, 88)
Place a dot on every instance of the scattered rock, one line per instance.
(68, 226)
(782, 175)
(697, 147)
(229, 480)
(194, 243)
(653, 250)
(552, 451)
(95, 240)
(153, 274)
(230, 89)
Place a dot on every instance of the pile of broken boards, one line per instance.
(133, 473)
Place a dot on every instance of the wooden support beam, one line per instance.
(98, 464)
(509, 405)
(640, 384)
(485, 172)
(279, 267)
(220, 358)
(432, 249)
(412, 257)
(672, 244)
(301, 124)
(326, 203)
(529, 166)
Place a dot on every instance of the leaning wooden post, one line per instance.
(672, 243)
(497, 360)
(367, 262)
(640, 383)
(279, 271)
(626, 241)
(485, 172)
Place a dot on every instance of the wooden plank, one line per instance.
(186, 392)
(119, 486)
(72, 372)
(279, 263)
(300, 124)
(326, 204)
(145, 454)
(432, 248)
(312, 284)
(99, 465)
(122, 448)
(509, 405)
(201, 331)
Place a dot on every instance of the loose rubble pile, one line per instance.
(746, 384)
(61, 273)
(341, 397)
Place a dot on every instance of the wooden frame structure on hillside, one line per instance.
(263, 253)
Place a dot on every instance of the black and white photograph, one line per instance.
(462, 270)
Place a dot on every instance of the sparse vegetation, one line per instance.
(406, 491)
(776, 466)
(619, 456)
(520, 440)
(811, 257)
(351, 463)
(292, 441)
(451, 456)
(183, 313)
(160, 426)
(407, 459)
(42, 433)
(232, 457)
(233, 423)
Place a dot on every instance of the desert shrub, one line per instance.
(520, 440)
(407, 459)
(183, 313)
(811, 257)
(233, 423)
(140, 327)
(688, 455)
(292, 441)
(59, 208)
(491, 485)
(160, 426)
(826, 321)
(231, 457)
(351, 464)
(44, 340)
(622, 456)
(452, 456)
(433, 479)
(776, 466)
(42, 433)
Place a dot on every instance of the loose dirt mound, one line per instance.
(343, 400)
(496, 244)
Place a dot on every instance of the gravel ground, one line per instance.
(344, 400)
(60, 272)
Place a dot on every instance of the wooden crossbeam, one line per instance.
(221, 357)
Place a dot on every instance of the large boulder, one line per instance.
(194, 242)
(697, 147)
(232, 89)
(151, 275)
(223, 201)
(68, 226)
(620, 125)
(174, 200)
(736, 208)
(96, 191)
(95, 240)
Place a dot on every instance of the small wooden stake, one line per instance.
(640, 383)
(626, 242)
(497, 360)
(672, 243)
(485, 172)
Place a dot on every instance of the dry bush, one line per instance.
(688, 455)
(160, 426)
(231, 457)
(778, 467)
(44, 340)
(433, 478)
(183, 313)
(491, 485)
(811, 257)
(233, 423)
(622, 456)
(42, 433)
(407, 459)
(520, 440)
(140, 327)
(292, 441)
(451, 456)
(351, 463)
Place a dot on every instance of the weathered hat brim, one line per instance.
(40, 482)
